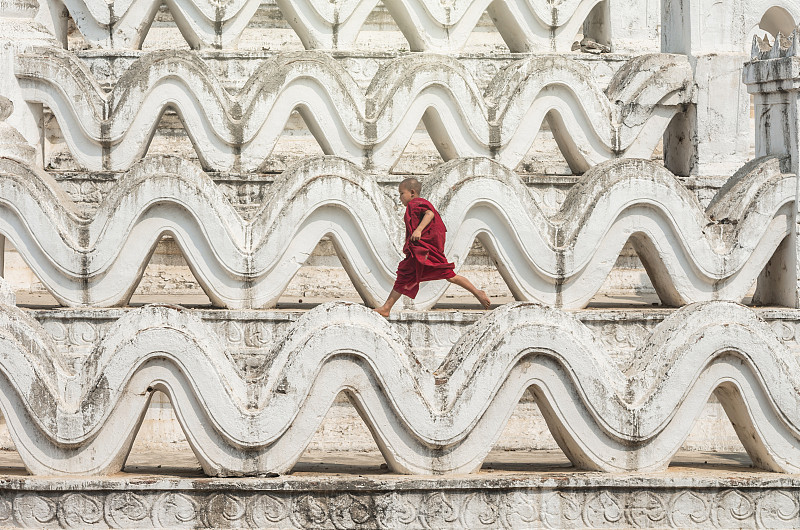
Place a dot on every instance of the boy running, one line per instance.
(424, 250)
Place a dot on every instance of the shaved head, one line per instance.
(411, 184)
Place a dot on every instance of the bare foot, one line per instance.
(382, 312)
(483, 298)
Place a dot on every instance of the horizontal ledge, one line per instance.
(553, 473)
(614, 314)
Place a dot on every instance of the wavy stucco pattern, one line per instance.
(427, 25)
(423, 422)
(111, 131)
(691, 253)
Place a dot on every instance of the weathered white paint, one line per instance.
(13, 145)
(442, 421)
(716, 36)
(530, 25)
(19, 30)
(684, 498)
(773, 77)
(70, 417)
(249, 335)
(561, 260)
(113, 131)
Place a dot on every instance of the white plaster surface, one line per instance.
(639, 102)
(164, 489)
(112, 131)
(691, 254)
(66, 420)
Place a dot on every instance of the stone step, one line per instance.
(536, 489)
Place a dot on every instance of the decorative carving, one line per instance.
(710, 254)
(34, 511)
(603, 510)
(625, 336)
(645, 510)
(231, 332)
(127, 510)
(77, 334)
(393, 510)
(309, 511)
(470, 505)
(785, 331)
(437, 511)
(82, 333)
(113, 130)
(176, 510)
(777, 509)
(349, 511)
(258, 335)
(78, 510)
(690, 508)
(225, 510)
(480, 511)
(82, 421)
(6, 511)
(265, 510)
(561, 510)
(518, 510)
(733, 509)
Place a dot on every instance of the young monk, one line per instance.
(424, 250)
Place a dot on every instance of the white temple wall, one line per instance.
(705, 250)
(431, 336)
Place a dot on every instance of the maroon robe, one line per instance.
(425, 259)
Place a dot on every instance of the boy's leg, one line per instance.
(482, 297)
(386, 308)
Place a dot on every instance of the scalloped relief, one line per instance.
(428, 25)
(111, 131)
(446, 421)
(691, 254)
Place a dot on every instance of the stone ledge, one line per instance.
(699, 490)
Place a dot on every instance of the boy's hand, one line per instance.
(416, 235)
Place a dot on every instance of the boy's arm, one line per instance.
(424, 222)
